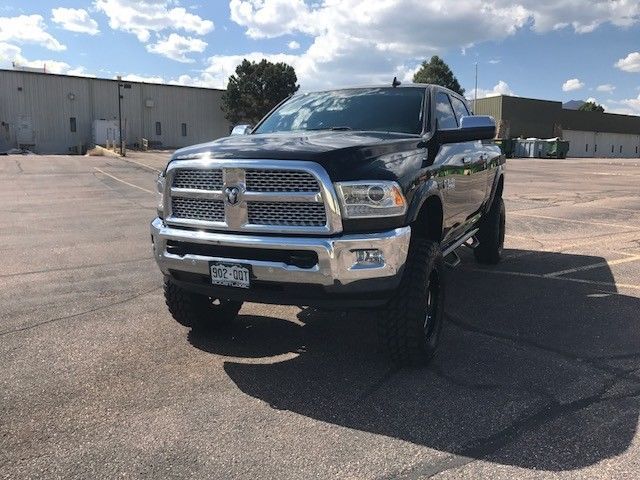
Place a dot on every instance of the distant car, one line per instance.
(338, 199)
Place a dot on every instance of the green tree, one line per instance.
(591, 107)
(437, 72)
(256, 88)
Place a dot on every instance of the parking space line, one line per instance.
(141, 164)
(571, 220)
(564, 279)
(592, 266)
(123, 181)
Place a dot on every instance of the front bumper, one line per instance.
(335, 275)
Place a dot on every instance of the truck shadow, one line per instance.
(534, 372)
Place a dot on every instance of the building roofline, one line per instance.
(83, 77)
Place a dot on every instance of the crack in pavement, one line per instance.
(74, 267)
(79, 314)
(483, 447)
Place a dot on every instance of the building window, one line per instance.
(595, 147)
(611, 148)
(620, 148)
(587, 148)
(184, 129)
(72, 124)
(158, 128)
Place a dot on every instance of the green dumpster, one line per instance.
(558, 148)
(507, 146)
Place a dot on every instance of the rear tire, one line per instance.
(198, 311)
(410, 325)
(491, 234)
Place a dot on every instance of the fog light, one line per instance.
(369, 257)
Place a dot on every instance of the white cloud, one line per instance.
(607, 88)
(293, 45)
(572, 84)
(10, 54)
(75, 20)
(132, 77)
(494, 61)
(359, 41)
(141, 17)
(630, 106)
(501, 88)
(630, 63)
(176, 47)
(28, 29)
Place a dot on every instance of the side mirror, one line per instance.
(476, 127)
(244, 129)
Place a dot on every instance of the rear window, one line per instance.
(367, 109)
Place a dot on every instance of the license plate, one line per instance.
(230, 274)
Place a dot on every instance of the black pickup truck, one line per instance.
(350, 198)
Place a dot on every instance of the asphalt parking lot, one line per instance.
(538, 375)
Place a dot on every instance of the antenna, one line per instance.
(395, 82)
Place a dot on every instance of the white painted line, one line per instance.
(592, 266)
(123, 181)
(141, 164)
(564, 279)
(571, 220)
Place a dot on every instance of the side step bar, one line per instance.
(450, 251)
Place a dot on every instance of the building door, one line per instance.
(25, 134)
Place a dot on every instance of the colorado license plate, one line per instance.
(229, 274)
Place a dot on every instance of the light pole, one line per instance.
(475, 95)
(127, 86)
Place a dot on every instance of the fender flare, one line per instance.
(496, 180)
(422, 194)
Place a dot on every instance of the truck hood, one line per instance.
(345, 155)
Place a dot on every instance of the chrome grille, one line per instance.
(268, 196)
(280, 181)
(198, 179)
(198, 209)
(287, 214)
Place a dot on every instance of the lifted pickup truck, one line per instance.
(338, 199)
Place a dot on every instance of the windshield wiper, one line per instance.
(337, 128)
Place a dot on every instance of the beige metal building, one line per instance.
(50, 113)
(590, 134)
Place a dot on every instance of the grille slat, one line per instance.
(198, 179)
(287, 214)
(198, 209)
(280, 181)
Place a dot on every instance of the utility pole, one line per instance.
(121, 85)
(475, 95)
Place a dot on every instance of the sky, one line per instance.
(548, 49)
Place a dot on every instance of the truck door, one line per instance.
(460, 177)
(476, 165)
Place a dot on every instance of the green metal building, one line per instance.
(590, 134)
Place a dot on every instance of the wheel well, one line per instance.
(429, 222)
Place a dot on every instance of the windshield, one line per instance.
(374, 109)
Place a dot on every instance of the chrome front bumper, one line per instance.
(336, 266)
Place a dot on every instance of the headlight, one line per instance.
(160, 195)
(367, 199)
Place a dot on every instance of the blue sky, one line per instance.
(552, 49)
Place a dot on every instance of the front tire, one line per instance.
(491, 234)
(411, 323)
(198, 311)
